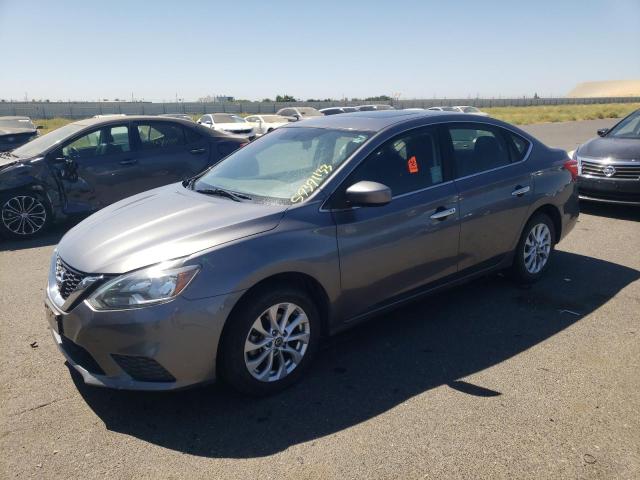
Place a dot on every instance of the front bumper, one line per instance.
(609, 190)
(161, 347)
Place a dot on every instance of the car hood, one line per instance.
(15, 131)
(158, 225)
(616, 148)
(234, 126)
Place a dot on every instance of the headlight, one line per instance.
(153, 285)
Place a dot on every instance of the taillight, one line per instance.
(572, 166)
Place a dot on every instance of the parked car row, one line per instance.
(460, 109)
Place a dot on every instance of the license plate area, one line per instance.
(55, 321)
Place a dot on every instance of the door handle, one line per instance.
(442, 213)
(196, 151)
(520, 191)
(129, 161)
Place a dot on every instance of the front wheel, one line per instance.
(23, 215)
(534, 249)
(270, 341)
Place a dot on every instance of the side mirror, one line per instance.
(603, 131)
(368, 194)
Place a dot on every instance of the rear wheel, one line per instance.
(270, 340)
(23, 215)
(534, 249)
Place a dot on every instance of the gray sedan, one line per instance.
(239, 272)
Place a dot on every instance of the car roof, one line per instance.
(374, 120)
(92, 122)
(377, 120)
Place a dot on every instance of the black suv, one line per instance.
(87, 165)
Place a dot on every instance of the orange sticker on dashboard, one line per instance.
(412, 165)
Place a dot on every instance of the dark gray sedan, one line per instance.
(239, 272)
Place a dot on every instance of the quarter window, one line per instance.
(477, 148)
(160, 135)
(519, 146)
(405, 164)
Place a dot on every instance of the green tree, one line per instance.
(285, 98)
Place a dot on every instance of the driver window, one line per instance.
(106, 141)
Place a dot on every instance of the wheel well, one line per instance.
(299, 281)
(553, 213)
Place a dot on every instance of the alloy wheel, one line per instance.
(24, 215)
(537, 248)
(277, 342)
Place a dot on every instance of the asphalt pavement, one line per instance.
(487, 380)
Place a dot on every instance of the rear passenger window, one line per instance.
(405, 164)
(160, 135)
(191, 136)
(477, 148)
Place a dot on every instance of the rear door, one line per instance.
(495, 187)
(167, 152)
(388, 251)
(99, 168)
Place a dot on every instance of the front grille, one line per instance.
(80, 356)
(610, 170)
(248, 130)
(67, 279)
(143, 369)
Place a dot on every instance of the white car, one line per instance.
(228, 122)
(470, 109)
(265, 123)
(444, 109)
(294, 114)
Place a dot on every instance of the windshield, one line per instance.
(470, 110)
(43, 143)
(226, 118)
(16, 123)
(627, 128)
(286, 166)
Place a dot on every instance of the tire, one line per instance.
(539, 234)
(24, 215)
(245, 371)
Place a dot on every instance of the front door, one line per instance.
(388, 252)
(98, 169)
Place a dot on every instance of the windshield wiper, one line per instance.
(236, 197)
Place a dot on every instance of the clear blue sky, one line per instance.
(323, 48)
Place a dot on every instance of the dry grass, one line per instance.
(561, 113)
(515, 115)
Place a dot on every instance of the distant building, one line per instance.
(610, 88)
